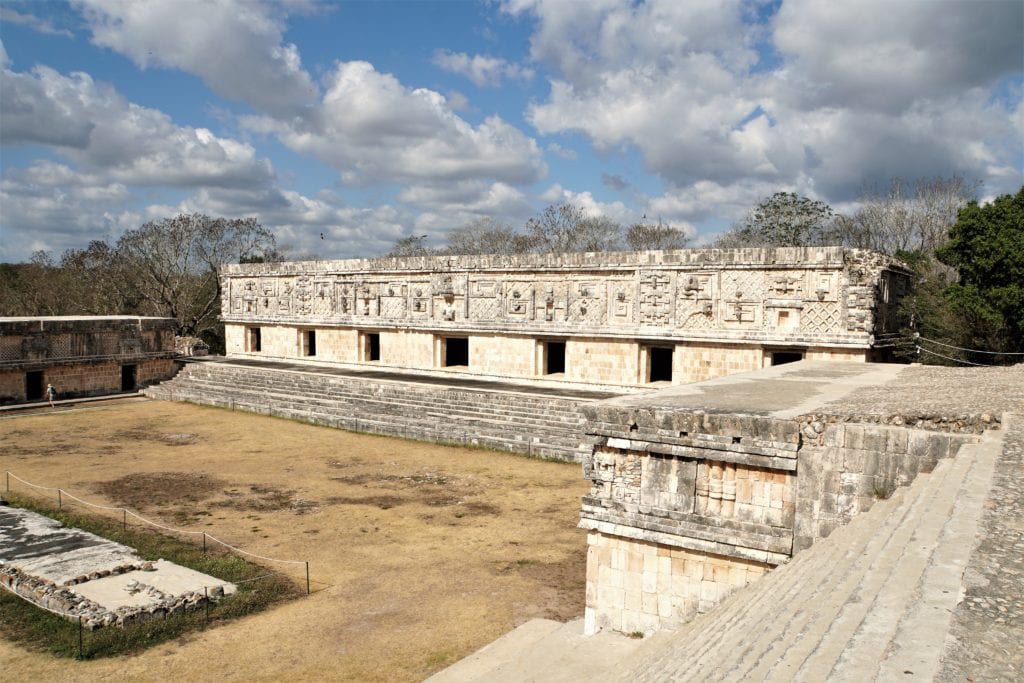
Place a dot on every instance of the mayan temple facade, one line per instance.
(624, 319)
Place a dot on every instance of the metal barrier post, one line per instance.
(307, 577)
(81, 654)
(8, 473)
(206, 604)
(124, 519)
(60, 503)
(204, 542)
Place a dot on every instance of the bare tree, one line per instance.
(413, 245)
(566, 228)
(488, 236)
(907, 216)
(173, 264)
(643, 236)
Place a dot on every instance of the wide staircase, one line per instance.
(873, 601)
(544, 426)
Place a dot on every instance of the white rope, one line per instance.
(955, 360)
(92, 505)
(960, 348)
(35, 486)
(157, 525)
(261, 557)
(160, 526)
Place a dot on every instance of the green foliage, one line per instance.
(787, 219)
(986, 247)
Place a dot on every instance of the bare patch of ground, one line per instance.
(419, 554)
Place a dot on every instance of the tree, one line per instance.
(487, 236)
(906, 217)
(644, 236)
(787, 219)
(173, 264)
(566, 228)
(414, 245)
(986, 247)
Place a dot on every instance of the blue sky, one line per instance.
(370, 121)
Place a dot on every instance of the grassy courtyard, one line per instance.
(419, 553)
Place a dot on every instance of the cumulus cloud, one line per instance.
(372, 128)
(482, 70)
(236, 46)
(849, 95)
(94, 125)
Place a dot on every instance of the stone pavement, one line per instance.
(986, 639)
(77, 573)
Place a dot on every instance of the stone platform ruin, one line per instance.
(80, 575)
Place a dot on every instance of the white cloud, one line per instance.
(561, 152)
(236, 46)
(33, 22)
(482, 70)
(372, 128)
(862, 93)
(886, 55)
(97, 127)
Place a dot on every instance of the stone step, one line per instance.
(535, 425)
(741, 618)
(872, 600)
(825, 591)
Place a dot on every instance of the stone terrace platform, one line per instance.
(925, 585)
(540, 419)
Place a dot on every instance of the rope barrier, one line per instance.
(92, 505)
(960, 348)
(260, 557)
(158, 525)
(955, 360)
(35, 486)
(161, 526)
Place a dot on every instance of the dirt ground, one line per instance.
(419, 554)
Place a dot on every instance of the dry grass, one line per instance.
(419, 553)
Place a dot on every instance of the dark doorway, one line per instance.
(128, 378)
(311, 343)
(373, 346)
(783, 357)
(661, 363)
(554, 358)
(456, 351)
(255, 340)
(34, 385)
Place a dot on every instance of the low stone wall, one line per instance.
(69, 604)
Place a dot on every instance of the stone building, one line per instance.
(624, 319)
(82, 355)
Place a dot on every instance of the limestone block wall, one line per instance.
(83, 355)
(686, 506)
(637, 586)
(719, 311)
(845, 468)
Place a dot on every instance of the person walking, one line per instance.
(51, 393)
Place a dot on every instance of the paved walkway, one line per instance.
(986, 638)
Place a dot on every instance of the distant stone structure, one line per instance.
(625, 319)
(82, 355)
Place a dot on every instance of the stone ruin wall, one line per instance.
(83, 356)
(685, 508)
(721, 311)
